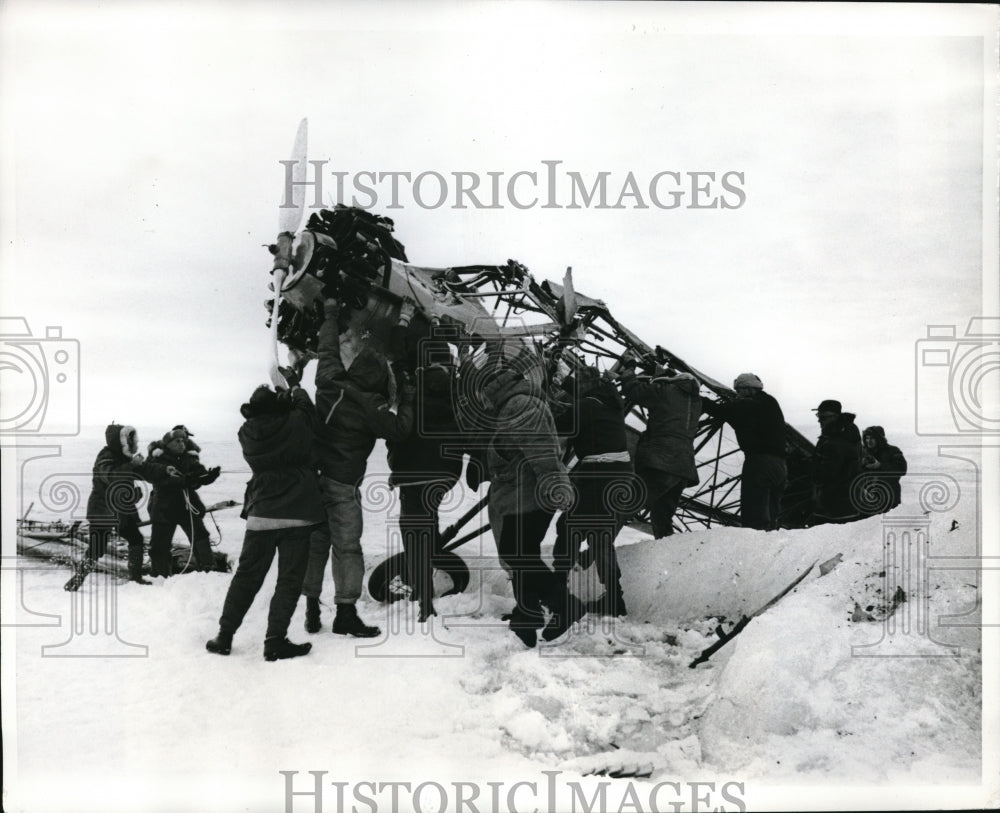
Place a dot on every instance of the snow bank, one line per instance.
(841, 675)
(794, 698)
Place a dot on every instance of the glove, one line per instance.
(291, 375)
(406, 311)
(628, 360)
(211, 475)
(172, 472)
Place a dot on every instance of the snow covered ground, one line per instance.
(837, 686)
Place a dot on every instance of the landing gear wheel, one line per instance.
(387, 582)
(451, 574)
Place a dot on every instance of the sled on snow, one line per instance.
(67, 544)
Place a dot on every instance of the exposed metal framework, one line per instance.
(481, 304)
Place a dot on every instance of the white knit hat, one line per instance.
(748, 380)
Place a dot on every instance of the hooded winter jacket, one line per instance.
(421, 457)
(885, 463)
(353, 407)
(524, 459)
(113, 494)
(281, 451)
(836, 464)
(674, 408)
(168, 501)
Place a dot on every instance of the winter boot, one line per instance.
(83, 567)
(560, 622)
(527, 635)
(135, 566)
(426, 611)
(313, 622)
(525, 625)
(608, 606)
(221, 644)
(279, 649)
(347, 622)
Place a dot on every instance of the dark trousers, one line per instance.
(534, 583)
(292, 546)
(594, 520)
(762, 485)
(100, 533)
(663, 495)
(418, 525)
(162, 539)
(759, 506)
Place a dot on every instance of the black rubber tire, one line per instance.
(384, 573)
(454, 566)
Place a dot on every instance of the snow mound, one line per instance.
(815, 687)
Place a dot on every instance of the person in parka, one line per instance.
(836, 464)
(111, 507)
(594, 427)
(282, 507)
(759, 424)
(353, 409)
(175, 501)
(664, 457)
(528, 484)
(425, 466)
(884, 465)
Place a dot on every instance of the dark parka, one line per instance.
(757, 421)
(884, 464)
(595, 423)
(432, 450)
(113, 494)
(353, 407)
(673, 409)
(168, 503)
(280, 449)
(836, 464)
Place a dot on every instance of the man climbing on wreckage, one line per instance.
(113, 497)
(353, 409)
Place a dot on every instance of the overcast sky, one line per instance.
(141, 179)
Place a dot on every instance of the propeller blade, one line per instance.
(273, 372)
(289, 218)
(569, 296)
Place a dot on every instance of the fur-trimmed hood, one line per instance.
(121, 439)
